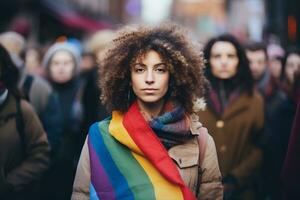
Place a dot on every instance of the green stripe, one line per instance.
(133, 172)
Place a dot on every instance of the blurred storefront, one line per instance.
(247, 19)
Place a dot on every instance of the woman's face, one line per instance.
(223, 60)
(62, 67)
(150, 78)
(292, 65)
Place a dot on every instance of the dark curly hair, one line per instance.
(243, 77)
(9, 72)
(185, 61)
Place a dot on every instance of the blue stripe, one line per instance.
(93, 193)
(120, 184)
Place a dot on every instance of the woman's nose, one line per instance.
(149, 77)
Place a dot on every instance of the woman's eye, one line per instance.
(216, 56)
(139, 70)
(231, 56)
(161, 70)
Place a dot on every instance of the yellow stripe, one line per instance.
(162, 188)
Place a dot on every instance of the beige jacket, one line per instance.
(186, 157)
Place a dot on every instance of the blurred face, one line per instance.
(150, 78)
(87, 63)
(258, 62)
(62, 67)
(275, 67)
(223, 60)
(292, 65)
(32, 61)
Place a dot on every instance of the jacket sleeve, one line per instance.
(83, 176)
(246, 170)
(211, 185)
(36, 155)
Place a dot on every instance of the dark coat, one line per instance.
(291, 172)
(278, 134)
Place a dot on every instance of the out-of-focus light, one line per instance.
(292, 28)
(133, 7)
(155, 11)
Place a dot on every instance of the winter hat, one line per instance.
(275, 51)
(63, 46)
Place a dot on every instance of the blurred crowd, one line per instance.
(49, 96)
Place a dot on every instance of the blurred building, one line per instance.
(45, 20)
(283, 20)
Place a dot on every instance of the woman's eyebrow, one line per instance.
(159, 64)
(138, 63)
(156, 65)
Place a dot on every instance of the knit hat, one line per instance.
(63, 46)
(275, 50)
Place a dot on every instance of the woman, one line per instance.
(149, 148)
(61, 63)
(234, 115)
(24, 149)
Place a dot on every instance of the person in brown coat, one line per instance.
(234, 115)
(24, 148)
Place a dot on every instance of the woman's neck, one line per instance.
(150, 110)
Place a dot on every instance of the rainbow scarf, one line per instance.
(128, 161)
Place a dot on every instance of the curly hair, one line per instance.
(185, 61)
(243, 77)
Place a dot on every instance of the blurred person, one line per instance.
(35, 89)
(290, 172)
(33, 62)
(281, 126)
(24, 148)
(257, 55)
(99, 41)
(149, 147)
(94, 110)
(61, 63)
(275, 55)
(269, 88)
(88, 62)
(291, 65)
(95, 47)
(234, 116)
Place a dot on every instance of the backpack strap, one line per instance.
(202, 143)
(20, 123)
(27, 86)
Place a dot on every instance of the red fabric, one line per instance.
(148, 142)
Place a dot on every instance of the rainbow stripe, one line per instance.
(129, 162)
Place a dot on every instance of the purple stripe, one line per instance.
(99, 177)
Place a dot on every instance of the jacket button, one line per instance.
(220, 123)
(223, 149)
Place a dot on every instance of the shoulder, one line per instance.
(257, 97)
(28, 112)
(41, 84)
(254, 99)
(26, 107)
(96, 125)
